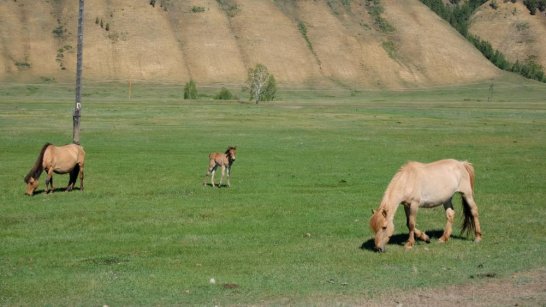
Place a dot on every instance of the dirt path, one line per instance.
(521, 289)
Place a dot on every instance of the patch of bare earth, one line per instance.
(520, 289)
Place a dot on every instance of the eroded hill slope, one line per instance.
(511, 29)
(303, 43)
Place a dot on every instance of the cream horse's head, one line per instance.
(382, 227)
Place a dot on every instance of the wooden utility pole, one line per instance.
(78, 104)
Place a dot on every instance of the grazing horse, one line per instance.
(418, 185)
(60, 160)
(223, 160)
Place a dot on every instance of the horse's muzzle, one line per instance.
(379, 249)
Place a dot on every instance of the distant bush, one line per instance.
(190, 90)
(197, 9)
(59, 31)
(224, 94)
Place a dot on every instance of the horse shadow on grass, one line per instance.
(402, 238)
(38, 192)
(223, 185)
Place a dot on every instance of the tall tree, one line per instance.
(261, 83)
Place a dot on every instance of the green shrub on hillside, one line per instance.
(224, 94)
(190, 90)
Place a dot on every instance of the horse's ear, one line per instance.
(384, 212)
(373, 211)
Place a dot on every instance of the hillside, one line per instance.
(511, 29)
(303, 43)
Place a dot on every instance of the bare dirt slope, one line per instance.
(511, 29)
(303, 43)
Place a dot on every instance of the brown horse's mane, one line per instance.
(38, 168)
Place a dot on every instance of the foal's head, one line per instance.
(231, 152)
(382, 227)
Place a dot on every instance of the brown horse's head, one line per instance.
(231, 152)
(32, 185)
(382, 227)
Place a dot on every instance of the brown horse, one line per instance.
(60, 160)
(418, 185)
(224, 161)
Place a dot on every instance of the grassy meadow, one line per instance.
(293, 228)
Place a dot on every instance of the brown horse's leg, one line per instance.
(49, 181)
(81, 178)
(73, 176)
(450, 216)
(411, 213)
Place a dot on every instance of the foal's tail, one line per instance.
(468, 223)
(37, 169)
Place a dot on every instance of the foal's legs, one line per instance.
(210, 171)
(222, 177)
(450, 216)
(228, 176)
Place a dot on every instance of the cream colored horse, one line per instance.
(418, 185)
(59, 160)
(224, 161)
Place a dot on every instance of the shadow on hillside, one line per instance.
(401, 238)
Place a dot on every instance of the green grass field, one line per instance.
(293, 228)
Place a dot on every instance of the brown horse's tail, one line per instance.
(468, 222)
(38, 167)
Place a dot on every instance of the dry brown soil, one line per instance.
(520, 289)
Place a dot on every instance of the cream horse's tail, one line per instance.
(470, 169)
(469, 224)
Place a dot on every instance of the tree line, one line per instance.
(458, 16)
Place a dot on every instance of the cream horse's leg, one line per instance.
(450, 216)
(474, 210)
(411, 214)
